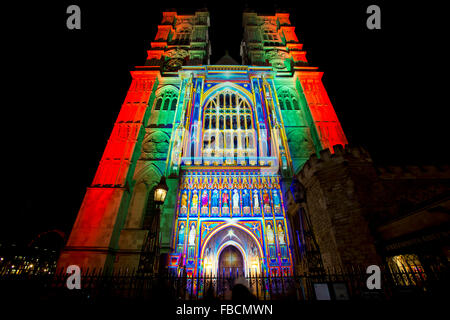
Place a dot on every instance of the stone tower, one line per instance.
(309, 117)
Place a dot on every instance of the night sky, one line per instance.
(65, 87)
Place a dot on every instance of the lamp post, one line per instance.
(161, 192)
(150, 256)
(159, 198)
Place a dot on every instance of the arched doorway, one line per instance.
(228, 238)
(231, 262)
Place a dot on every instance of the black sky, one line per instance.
(65, 87)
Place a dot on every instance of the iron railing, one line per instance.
(348, 284)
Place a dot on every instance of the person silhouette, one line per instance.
(240, 293)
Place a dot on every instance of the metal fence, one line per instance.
(348, 284)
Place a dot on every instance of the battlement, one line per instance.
(339, 154)
(358, 153)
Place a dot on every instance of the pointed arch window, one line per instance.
(166, 104)
(228, 126)
(249, 122)
(158, 104)
(173, 105)
(271, 35)
(234, 129)
(288, 105)
(250, 140)
(167, 98)
(287, 99)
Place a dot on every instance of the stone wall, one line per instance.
(339, 189)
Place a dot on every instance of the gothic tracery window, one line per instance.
(173, 105)
(166, 99)
(158, 104)
(270, 35)
(287, 100)
(165, 106)
(235, 126)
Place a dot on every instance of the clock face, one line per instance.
(174, 64)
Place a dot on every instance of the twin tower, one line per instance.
(227, 137)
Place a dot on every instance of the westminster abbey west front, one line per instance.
(260, 178)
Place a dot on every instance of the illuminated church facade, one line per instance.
(228, 138)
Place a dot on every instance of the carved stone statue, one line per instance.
(266, 199)
(205, 198)
(215, 199)
(195, 199)
(225, 198)
(255, 199)
(246, 198)
(280, 232)
(184, 199)
(181, 234)
(276, 198)
(177, 145)
(192, 235)
(270, 234)
(235, 199)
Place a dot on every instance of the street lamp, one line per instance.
(150, 257)
(161, 191)
(159, 197)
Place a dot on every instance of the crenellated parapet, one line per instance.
(341, 155)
